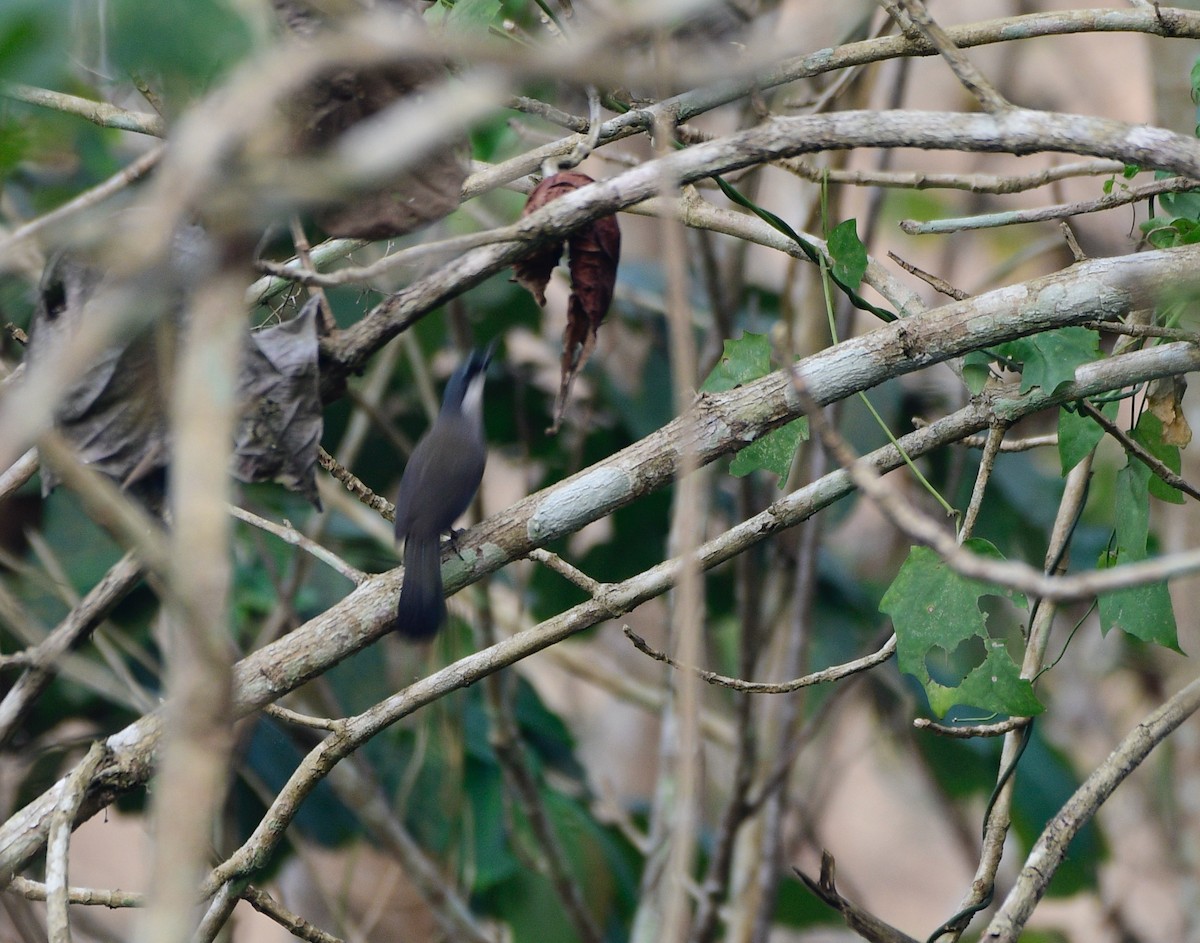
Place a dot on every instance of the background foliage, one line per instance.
(589, 791)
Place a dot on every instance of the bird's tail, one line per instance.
(422, 608)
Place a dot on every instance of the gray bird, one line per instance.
(437, 486)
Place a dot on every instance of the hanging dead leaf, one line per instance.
(1165, 400)
(594, 251)
(280, 429)
(115, 415)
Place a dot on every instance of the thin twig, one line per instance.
(101, 113)
(303, 254)
(857, 918)
(1015, 445)
(521, 787)
(938, 284)
(1008, 573)
(1144, 330)
(88, 896)
(998, 816)
(568, 572)
(58, 921)
(973, 183)
(89, 198)
(287, 533)
(1139, 451)
(287, 716)
(46, 658)
(1051, 847)
(964, 70)
(1077, 252)
(547, 112)
(356, 487)
(1043, 214)
(18, 473)
(995, 438)
(296, 925)
(968, 731)
(835, 673)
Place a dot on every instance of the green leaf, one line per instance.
(977, 367)
(1129, 171)
(743, 360)
(1148, 433)
(1144, 612)
(189, 43)
(848, 253)
(1079, 434)
(14, 145)
(34, 43)
(1050, 358)
(933, 608)
(773, 452)
(1165, 232)
(1185, 204)
(1195, 77)
(466, 16)
(995, 684)
(1108, 187)
(1132, 510)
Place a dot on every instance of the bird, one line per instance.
(438, 485)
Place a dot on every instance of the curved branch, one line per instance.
(1016, 131)
(1051, 847)
(366, 613)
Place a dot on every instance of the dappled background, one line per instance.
(899, 808)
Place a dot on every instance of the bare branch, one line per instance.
(296, 925)
(355, 486)
(101, 113)
(964, 70)
(1051, 847)
(61, 824)
(289, 534)
(835, 673)
(1139, 451)
(89, 198)
(861, 921)
(45, 657)
(90, 896)
(1058, 211)
(368, 612)
(969, 731)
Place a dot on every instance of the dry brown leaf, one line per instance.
(115, 414)
(1165, 400)
(595, 251)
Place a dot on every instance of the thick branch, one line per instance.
(719, 424)
(1016, 131)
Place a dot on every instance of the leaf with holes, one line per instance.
(935, 611)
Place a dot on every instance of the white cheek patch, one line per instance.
(473, 398)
